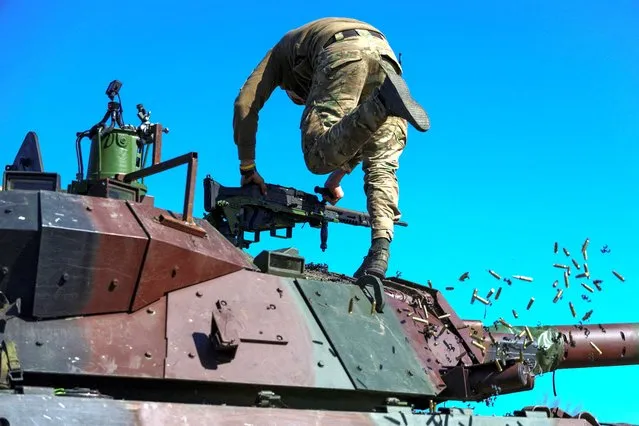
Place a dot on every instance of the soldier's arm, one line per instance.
(253, 95)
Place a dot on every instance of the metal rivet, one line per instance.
(278, 337)
(8, 210)
(89, 208)
(320, 364)
(150, 311)
(38, 343)
(198, 293)
(359, 368)
(191, 355)
(113, 285)
(147, 355)
(175, 271)
(410, 373)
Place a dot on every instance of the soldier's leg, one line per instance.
(334, 127)
(380, 163)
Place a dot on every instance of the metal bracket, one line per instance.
(226, 328)
(377, 297)
(190, 160)
(224, 336)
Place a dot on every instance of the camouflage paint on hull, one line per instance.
(66, 255)
(30, 410)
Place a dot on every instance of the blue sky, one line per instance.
(534, 133)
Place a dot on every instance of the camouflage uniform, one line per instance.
(357, 107)
(338, 131)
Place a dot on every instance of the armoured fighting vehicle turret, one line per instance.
(118, 311)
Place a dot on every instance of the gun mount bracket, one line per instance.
(190, 228)
(190, 160)
(367, 281)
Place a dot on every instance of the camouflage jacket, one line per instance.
(289, 65)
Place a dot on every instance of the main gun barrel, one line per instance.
(564, 346)
(600, 345)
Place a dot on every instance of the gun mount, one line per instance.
(114, 307)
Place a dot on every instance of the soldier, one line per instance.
(356, 110)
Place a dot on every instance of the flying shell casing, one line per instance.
(494, 274)
(595, 348)
(443, 316)
(479, 345)
(572, 309)
(350, 305)
(566, 281)
(586, 271)
(424, 310)
(556, 247)
(523, 278)
(587, 287)
(482, 300)
(584, 275)
(498, 293)
(503, 321)
(530, 303)
(558, 295)
(418, 319)
(498, 365)
(587, 315)
(560, 266)
(477, 338)
(373, 306)
(521, 334)
(490, 293)
(574, 262)
(597, 284)
(556, 283)
(430, 284)
(515, 314)
(618, 275)
(530, 336)
(472, 299)
(584, 249)
(566, 252)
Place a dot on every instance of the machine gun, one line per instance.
(236, 210)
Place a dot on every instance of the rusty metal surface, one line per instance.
(275, 345)
(113, 344)
(176, 259)
(618, 343)
(91, 252)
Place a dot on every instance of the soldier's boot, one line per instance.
(376, 261)
(396, 98)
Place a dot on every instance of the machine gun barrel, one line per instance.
(353, 217)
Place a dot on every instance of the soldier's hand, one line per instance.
(333, 185)
(255, 178)
(337, 194)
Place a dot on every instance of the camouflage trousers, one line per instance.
(342, 125)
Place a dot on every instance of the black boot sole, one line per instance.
(407, 108)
